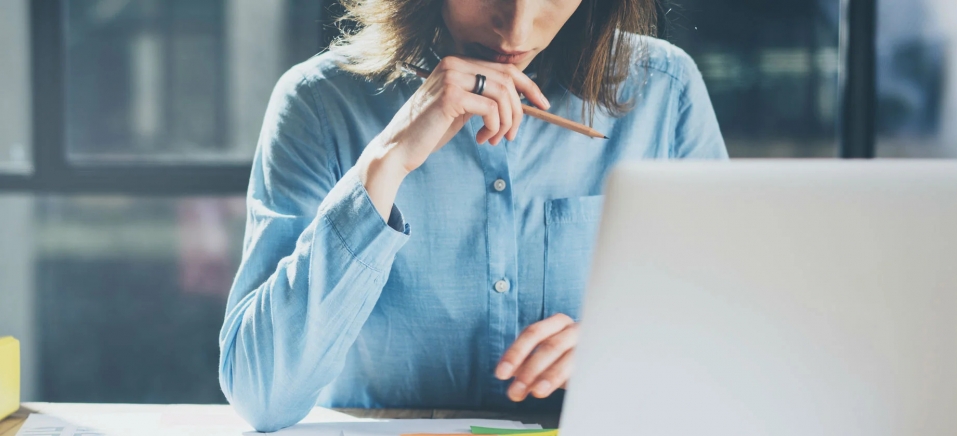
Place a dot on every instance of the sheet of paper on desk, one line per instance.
(395, 427)
(43, 425)
(149, 420)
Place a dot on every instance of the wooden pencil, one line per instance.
(532, 111)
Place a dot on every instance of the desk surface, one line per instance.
(224, 417)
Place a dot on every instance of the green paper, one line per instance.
(504, 431)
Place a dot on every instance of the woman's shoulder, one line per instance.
(668, 60)
(323, 66)
(322, 72)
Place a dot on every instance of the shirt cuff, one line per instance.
(355, 219)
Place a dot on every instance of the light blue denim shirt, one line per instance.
(333, 306)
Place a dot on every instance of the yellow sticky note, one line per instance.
(9, 376)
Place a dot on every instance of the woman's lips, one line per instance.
(483, 52)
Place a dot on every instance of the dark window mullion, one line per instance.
(190, 179)
(15, 183)
(48, 89)
(859, 96)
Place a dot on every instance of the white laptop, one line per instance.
(771, 298)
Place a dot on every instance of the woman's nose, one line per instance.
(514, 21)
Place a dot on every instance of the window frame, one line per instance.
(858, 85)
(54, 173)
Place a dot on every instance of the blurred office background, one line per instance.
(117, 294)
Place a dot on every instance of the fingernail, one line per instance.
(504, 370)
(548, 105)
(541, 389)
(518, 391)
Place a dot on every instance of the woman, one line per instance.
(419, 243)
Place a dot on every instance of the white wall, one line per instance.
(944, 13)
(255, 32)
(17, 302)
(14, 85)
(17, 306)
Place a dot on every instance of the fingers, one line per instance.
(494, 91)
(485, 107)
(523, 83)
(555, 377)
(499, 85)
(505, 98)
(526, 342)
(529, 377)
(516, 115)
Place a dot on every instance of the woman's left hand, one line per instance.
(540, 359)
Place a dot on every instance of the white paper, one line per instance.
(147, 420)
(394, 427)
(44, 425)
(217, 420)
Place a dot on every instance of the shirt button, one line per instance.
(502, 286)
(499, 185)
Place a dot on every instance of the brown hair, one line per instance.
(591, 55)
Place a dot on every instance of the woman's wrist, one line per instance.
(382, 170)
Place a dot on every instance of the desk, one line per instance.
(226, 421)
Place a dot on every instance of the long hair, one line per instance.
(591, 55)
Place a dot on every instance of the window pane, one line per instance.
(129, 296)
(178, 80)
(15, 108)
(917, 78)
(771, 69)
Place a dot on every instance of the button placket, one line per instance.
(502, 252)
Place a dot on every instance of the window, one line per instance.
(917, 78)
(771, 69)
(15, 108)
(164, 81)
(130, 294)
(123, 199)
(122, 245)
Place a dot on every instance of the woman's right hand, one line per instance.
(442, 105)
(436, 112)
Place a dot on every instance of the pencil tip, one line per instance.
(606, 137)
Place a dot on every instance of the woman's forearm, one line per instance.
(381, 171)
(290, 323)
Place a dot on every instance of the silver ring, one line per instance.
(479, 84)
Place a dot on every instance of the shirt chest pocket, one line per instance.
(571, 227)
